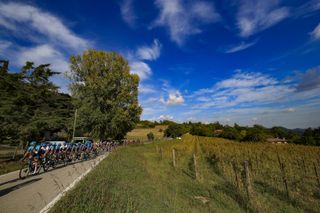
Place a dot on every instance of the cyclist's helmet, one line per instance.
(33, 143)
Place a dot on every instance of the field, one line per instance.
(201, 175)
(141, 133)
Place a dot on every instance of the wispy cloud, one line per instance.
(127, 12)
(149, 52)
(315, 34)
(184, 19)
(141, 68)
(17, 16)
(43, 54)
(138, 59)
(255, 89)
(309, 80)
(255, 16)
(146, 89)
(240, 47)
(39, 36)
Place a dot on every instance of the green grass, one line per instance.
(7, 164)
(138, 178)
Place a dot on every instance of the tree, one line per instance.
(231, 133)
(255, 134)
(31, 106)
(174, 130)
(106, 94)
(150, 136)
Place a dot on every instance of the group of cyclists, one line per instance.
(50, 154)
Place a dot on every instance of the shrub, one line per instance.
(150, 136)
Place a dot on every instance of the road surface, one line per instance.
(34, 193)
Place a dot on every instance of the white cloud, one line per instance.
(43, 54)
(315, 34)
(240, 47)
(165, 117)
(143, 88)
(127, 12)
(144, 53)
(149, 53)
(254, 16)
(243, 89)
(18, 16)
(4, 45)
(183, 20)
(141, 68)
(243, 79)
(175, 98)
(309, 80)
(290, 110)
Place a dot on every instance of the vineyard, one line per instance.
(200, 174)
(259, 174)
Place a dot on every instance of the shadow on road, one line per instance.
(18, 186)
(10, 181)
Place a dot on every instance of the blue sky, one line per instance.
(245, 61)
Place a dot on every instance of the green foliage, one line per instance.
(146, 124)
(105, 93)
(31, 107)
(311, 137)
(150, 136)
(231, 133)
(255, 134)
(174, 130)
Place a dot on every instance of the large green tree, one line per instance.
(106, 94)
(31, 106)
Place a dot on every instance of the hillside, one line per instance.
(141, 133)
(142, 178)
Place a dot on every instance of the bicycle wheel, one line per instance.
(24, 171)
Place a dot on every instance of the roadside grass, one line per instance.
(141, 133)
(9, 166)
(7, 163)
(141, 178)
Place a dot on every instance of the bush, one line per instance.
(255, 135)
(150, 136)
(231, 133)
(174, 130)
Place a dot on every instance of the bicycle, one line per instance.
(28, 168)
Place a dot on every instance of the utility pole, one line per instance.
(74, 123)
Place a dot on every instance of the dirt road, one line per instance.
(35, 193)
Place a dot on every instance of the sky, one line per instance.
(233, 61)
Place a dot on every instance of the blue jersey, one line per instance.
(37, 148)
(30, 148)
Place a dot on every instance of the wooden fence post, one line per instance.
(234, 166)
(247, 180)
(195, 166)
(173, 157)
(283, 173)
(15, 153)
(316, 172)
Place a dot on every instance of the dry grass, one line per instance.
(141, 133)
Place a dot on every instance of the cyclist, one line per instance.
(29, 153)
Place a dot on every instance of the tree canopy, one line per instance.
(31, 107)
(105, 93)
